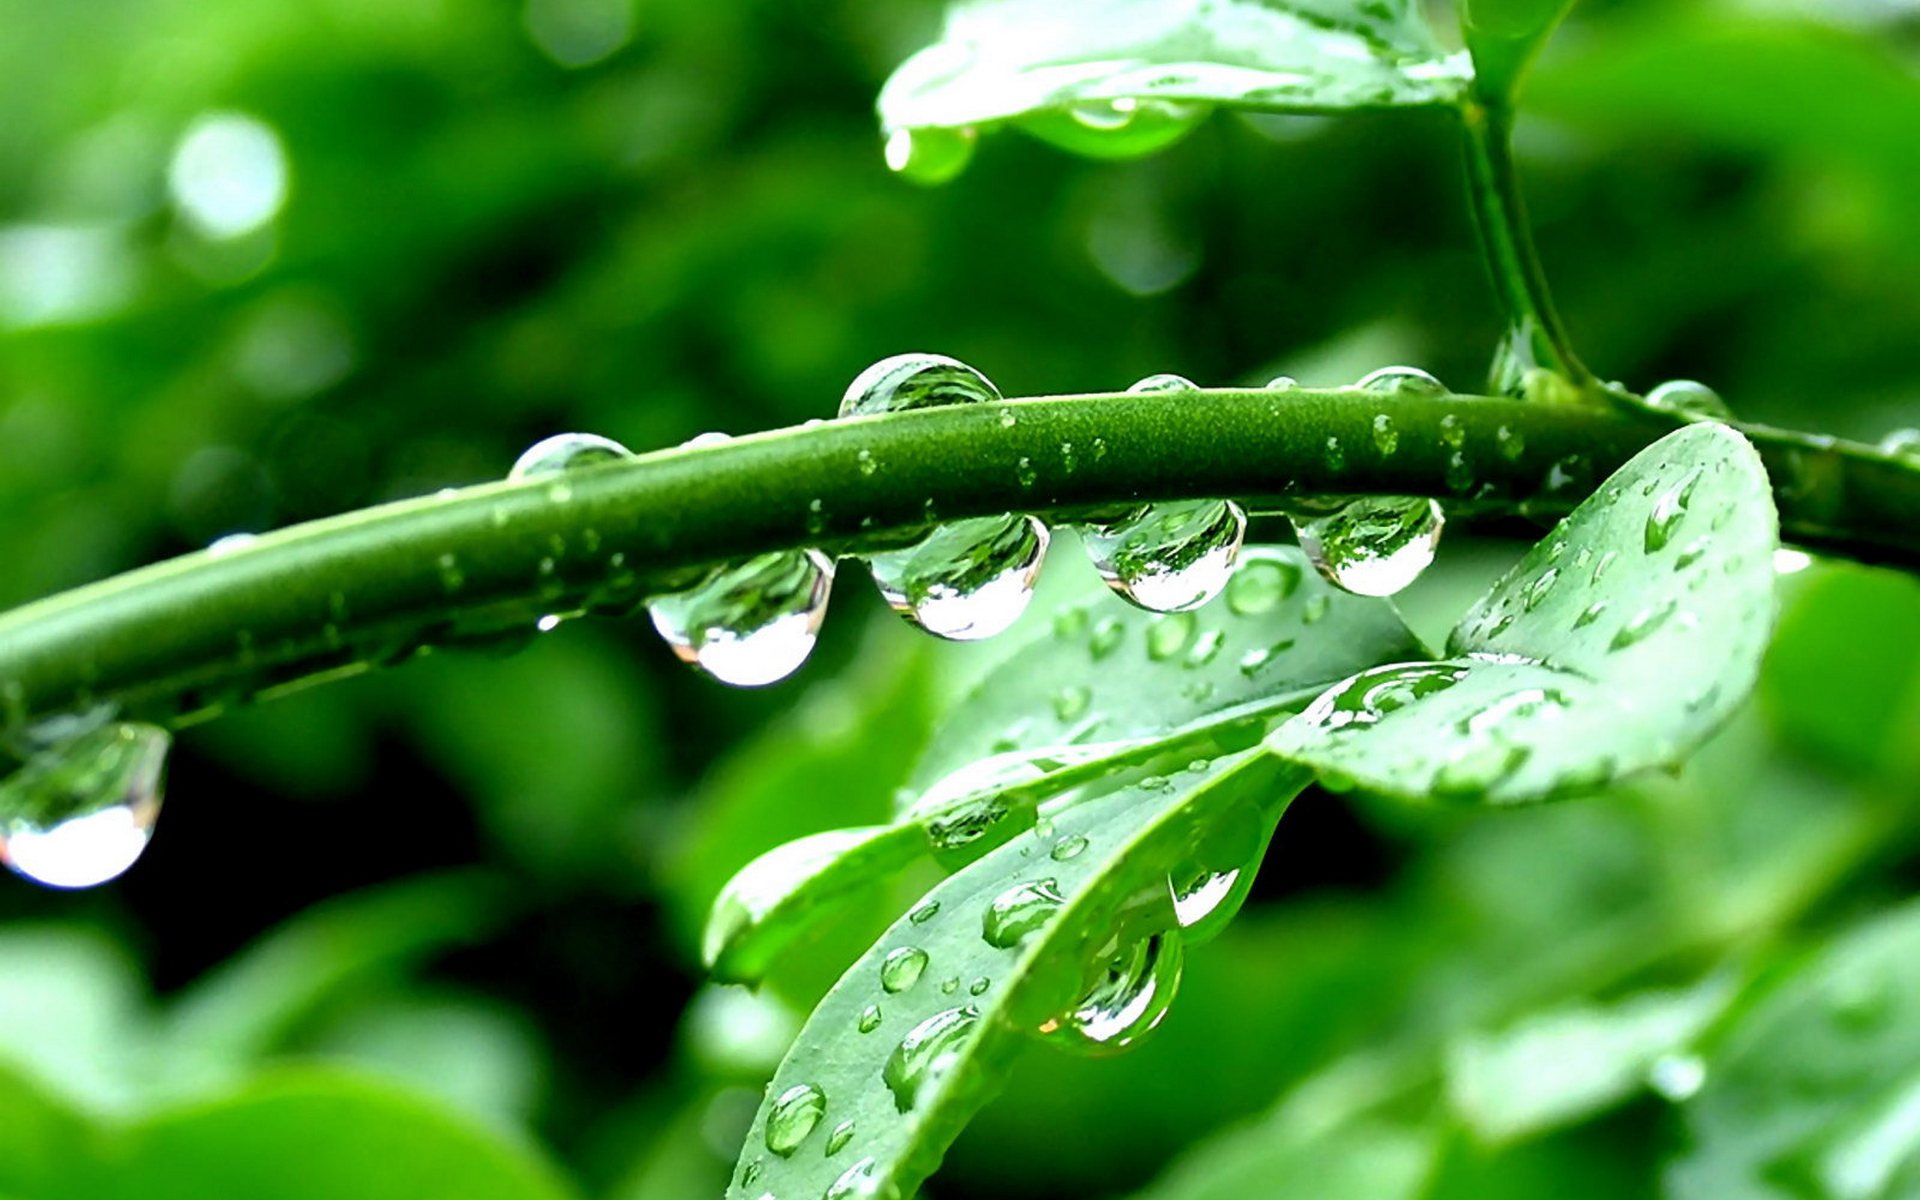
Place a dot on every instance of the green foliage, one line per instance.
(576, 213)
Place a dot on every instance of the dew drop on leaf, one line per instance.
(1386, 439)
(1371, 695)
(1129, 1001)
(794, 1116)
(1169, 636)
(751, 623)
(1168, 557)
(1072, 701)
(80, 813)
(1686, 398)
(1402, 381)
(1373, 545)
(869, 1019)
(927, 1052)
(1018, 911)
(838, 1137)
(902, 968)
(566, 452)
(1196, 899)
(1068, 848)
(1668, 511)
(930, 155)
(1261, 586)
(1165, 383)
(926, 912)
(1474, 770)
(1643, 625)
(855, 1183)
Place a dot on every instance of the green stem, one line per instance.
(179, 640)
(1535, 338)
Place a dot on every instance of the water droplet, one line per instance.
(838, 1138)
(1902, 445)
(1668, 511)
(1477, 769)
(967, 580)
(1165, 383)
(1692, 552)
(1196, 900)
(1024, 473)
(752, 623)
(1169, 557)
(1316, 608)
(1386, 439)
(949, 985)
(1536, 593)
(854, 1183)
(1685, 398)
(1282, 383)
(1260, 585)
(1677, 1077)
(1128, 1003)
(232, 543)
(1069, 623)
(1371, 695)
(1107, 636)
(1403, 381)
(913, 381)
(867, 463)
(869, 1019)
(1206, 648)
(1510, 442)
(1643, 625)
(926, 912)
(81, 812)
(1590, 614)
(1068, 848)
(1169, 635)
(566, 452)
(1071, 701)
(902, 968)
(794, 1115)
(979, 986)
(1374, 545)
(931, 155)
(1018, 911)
(924, 1056)
(452, 578)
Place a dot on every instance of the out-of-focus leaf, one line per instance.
(480, 1058)
(1843, 674)
(72, 1016)
(1503, 36)
(1620, 642)
(1125, 76)
(41, 1141)
(1815, 1090)
(913, 1038)
(317, 1135)
(253, 1002)
(1364, 1160)
(1567, 1064)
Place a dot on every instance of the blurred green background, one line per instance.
(431, 933)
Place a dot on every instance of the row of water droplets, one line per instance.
(1122, 999)
(1121, 127)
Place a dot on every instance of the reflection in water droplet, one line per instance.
(870, 1018)
(1405, 381)
(81, 812)
(1685, 398)
(1260, 585)
(1018, 911)
(1068, 848)
(1168, 557)
(931, 155)
(793, 1116)
(855, 1183)
(566, 452)
(1374, 545)
(902, 968)
(1196, 899)
(926, 912)
(1664, 518)
(927, 1052)
(1128, 1003)
(752, 623)
(838, 1138)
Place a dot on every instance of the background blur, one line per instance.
(266, 262)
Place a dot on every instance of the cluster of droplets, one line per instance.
(82, 807)
(1377, 545)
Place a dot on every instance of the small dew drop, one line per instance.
(1206, 647)
(1510, 443)
(855, 1183)
(930, 155)
(1644, 624)
(1018, 911)
(838, 1137)
(928, 1051)
(869, 1019)
(1068, 848)
(1686, 398)
(926, 912)
(1282, 383)
(566, 452)
(1107, 636)
(1168, 636)
(1590, 614)
(902, 968)
(1386, 439)
(1402, 381)
(1165, 383)
(1071, 702)
(1261, 585)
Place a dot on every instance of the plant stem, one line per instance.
(1535, 337)
(180, 640)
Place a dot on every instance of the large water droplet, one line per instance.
(565, 452)
(1374, 545)
(902, 968)
(927, 1052)
(1165, 383)
(1018, 911)
(793, 1117)
(1196, 898)
(1686, 398)
(912, 381)
(752, 623)
(1168, 557)
(931, 155)
(1902, 445)
(1128, 1003)
(1403, 381)
(81, 812)
(1371, 695)
(854, 1183)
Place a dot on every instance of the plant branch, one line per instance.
(180, 640)
(1535, 337)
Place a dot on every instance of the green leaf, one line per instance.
(40, 1141)
(1815, 1090)
(937, 1033)
(72, 1015)
(1618, 644)
(1362, 1160)
(1567, 1064)
(1113, 676)
(1843, 673)
(1113, 77)
(313, 1135)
